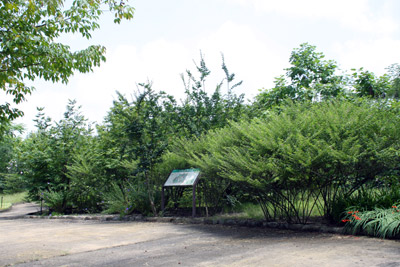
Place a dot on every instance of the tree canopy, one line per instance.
(29, 47)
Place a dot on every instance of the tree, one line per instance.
(201, 112)
(310, 77)
(10, 181)
(29, 47)
(366, 84)
(394, 74)
(49, 152)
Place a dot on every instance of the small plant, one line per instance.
(367, 198)
(127, 199)
(57, 201)
(384, 223)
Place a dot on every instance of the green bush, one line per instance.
(300, 158)
(57, 201)
(127, 198)
(215, 191)
(13, 183)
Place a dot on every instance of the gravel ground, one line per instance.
(36, 242)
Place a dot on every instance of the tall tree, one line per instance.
(200, 111)
(366, 84)
(394, 74)
(310, 77)
(10, 181)
(29, 47)
(49, 152)
(140, 130)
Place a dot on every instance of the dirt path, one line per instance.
(43, 242)
(19, 211)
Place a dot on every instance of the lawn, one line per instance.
(7, 200)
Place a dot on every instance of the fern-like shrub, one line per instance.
(126, 199)
(57, 201)
(297, 160)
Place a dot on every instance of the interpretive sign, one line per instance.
(182, 177)
(179, 178)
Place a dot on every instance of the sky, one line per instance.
(256, 37)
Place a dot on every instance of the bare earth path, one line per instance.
(19, 211)
(42, 242)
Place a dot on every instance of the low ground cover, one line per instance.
(7, 200)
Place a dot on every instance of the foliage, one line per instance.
(308, 146)
(252, 210)
(57, 201)
(368, 197)
(394, 74)
(200, 112)
(310, 77)
(299, 158)
(29, 47)
(144, 127)
(200, 152)
(49, 152)
(313, 151)
(127, 199)
(87, 175)
(366, 84)
(10, 180)
(379, 222)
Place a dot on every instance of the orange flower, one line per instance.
(346, 220)
(395, 207)
(350, 212)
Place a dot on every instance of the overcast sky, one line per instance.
(255, 36)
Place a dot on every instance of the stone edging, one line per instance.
(184, 220)
(251, 223)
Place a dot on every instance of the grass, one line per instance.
(252, 211)
(10, 199)
(243, 211)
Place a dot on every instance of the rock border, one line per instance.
(201, 220)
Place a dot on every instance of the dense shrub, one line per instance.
(300, 158)
(127, 198)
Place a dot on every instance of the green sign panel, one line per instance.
(182, 177)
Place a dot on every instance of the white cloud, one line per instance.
(159, 61)
(373, 55)
(162, 62)
(253, 59)
(254, 54)
(355, 14)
